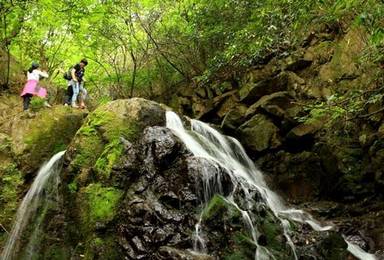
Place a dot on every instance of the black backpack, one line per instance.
(68, 75)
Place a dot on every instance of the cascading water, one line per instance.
(30, 215)
(226, 152)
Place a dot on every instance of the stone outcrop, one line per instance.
(132, 190)
(26, 141)
(281, 116)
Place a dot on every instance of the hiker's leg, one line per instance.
(69, 93)
(26, 101)
(75, 88)
(83, 95)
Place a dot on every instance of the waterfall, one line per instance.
(205, 142)
(30, 215)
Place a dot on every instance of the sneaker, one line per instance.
(46, 104)
(65, 104)
(75, 106)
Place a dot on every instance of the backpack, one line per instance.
(67, 75)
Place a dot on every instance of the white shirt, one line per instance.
(35, 75)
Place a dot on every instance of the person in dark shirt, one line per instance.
(77, 83)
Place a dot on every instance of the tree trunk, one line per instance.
(133, 73)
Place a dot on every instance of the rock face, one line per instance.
(289, 113)
(25, 143)
(131, 190)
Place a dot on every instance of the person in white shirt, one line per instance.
(32, 88)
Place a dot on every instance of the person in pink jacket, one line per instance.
(32, 88)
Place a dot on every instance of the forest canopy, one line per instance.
(140, 46)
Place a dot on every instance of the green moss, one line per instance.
(88, 150)
(72, 187)
(5, 143)
(108, 158)
(244, 248)
(101, 248)
(49, 132)
(11, 181)
(59, 147)
(103, 127)
(56, 252)
(218, 207)
(112, 126)
(271, 230)
(101, 202)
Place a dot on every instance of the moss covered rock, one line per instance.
(259, 134)
(35, 139)
(344, 59)
(94, 188)
(26, 142)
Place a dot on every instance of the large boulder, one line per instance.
(259, 134)
(26, 141)
(279, 104)
(130, 190)
(297, 61)
(36, 138)
(233, 119)
(252, 91)
(344, 60)
(300, 177)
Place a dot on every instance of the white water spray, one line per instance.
(205, 142)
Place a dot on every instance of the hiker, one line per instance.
(76, 84)
(32, 88)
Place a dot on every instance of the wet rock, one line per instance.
(333, 247)
(359, 241)
(161, 145)
(202, 107)
(210, 178)
(305, 129)
(300, 176)
(226, 105)
(259, 134)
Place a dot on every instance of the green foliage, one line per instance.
(145, 47)
(37, 103)
(101, 248)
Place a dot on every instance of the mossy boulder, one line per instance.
(259, 134)
(11, 186)
(24, 145)
(227, 231)
(233, 119)
(344, 60)
(279, 104)
(37, 138)
(252, 91)
(334, 247)
(94, 182)
(98, 145)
